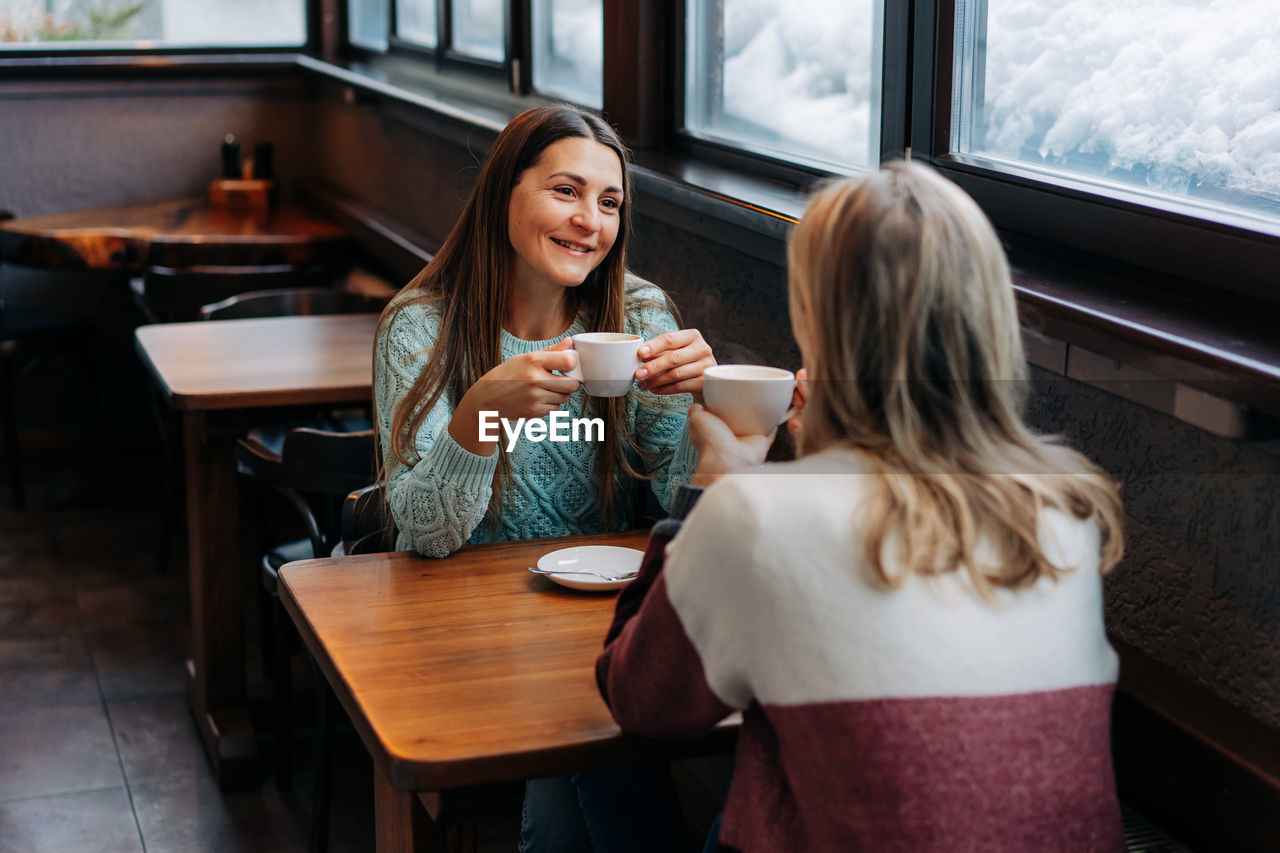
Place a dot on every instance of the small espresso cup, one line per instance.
(607, 362)
(750, 398)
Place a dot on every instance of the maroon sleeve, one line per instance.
(649, 673)
(633, 594)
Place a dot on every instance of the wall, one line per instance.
(70, 145)
(1199, 588)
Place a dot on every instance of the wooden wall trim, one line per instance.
(1196, 764)
(402, 251)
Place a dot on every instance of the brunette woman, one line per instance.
(537, 256)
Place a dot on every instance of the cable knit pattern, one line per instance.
(439, 503)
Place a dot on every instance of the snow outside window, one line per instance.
(568, 50)
(793, 79)
(160, 23)
(479, 29)
(416, 22)
(1159, 97)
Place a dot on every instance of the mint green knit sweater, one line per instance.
(440, 502)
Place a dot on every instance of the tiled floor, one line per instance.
(97, 748)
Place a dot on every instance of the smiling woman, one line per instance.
(482, 336)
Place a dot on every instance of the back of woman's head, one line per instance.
(902, 291)
(903, 305)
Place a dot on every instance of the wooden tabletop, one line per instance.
(469, 670)
(173, 232)
(279, 361)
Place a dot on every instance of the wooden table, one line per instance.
(465, 671)
(173, 232)
(219, 375)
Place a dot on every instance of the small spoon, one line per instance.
(625, 576)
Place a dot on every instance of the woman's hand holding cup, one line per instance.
(525, 386)
(721, 452)
(798, 398)
(674, 363)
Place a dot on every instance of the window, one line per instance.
(368, 22)
(416, 22)
(479, 29)
(796, 80)
(1162, 98)
(568, 50)
(77, 24)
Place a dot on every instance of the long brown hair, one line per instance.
(901, 296)
(467, 283)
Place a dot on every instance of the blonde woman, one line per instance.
(910, 614)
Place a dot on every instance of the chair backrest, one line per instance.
(366, 529)
(315, 471)
(171, 294)
(291, 302)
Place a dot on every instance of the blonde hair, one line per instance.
(901, 297)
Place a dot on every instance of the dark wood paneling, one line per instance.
(1197, 765)
(633, 70)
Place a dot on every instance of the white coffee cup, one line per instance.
(607, 362)
(750, 398)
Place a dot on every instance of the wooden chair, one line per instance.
(314, 471)
(176, 294)
(366, 527)
(26, 337)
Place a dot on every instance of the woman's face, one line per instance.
(564, 214)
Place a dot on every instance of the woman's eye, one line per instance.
(564, 190)
(610, 203)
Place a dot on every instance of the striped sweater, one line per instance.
(873, 719)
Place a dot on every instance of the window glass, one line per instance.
(1165, 97)
(479, 28)
(416, 21)
(797, 79)
(368, 22)
(568, 50)
(159, 23)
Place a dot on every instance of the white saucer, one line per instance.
(605, 559)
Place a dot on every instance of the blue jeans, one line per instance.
(713, 835)
(605, 811)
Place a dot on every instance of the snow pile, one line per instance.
(802, 71)
(1181, 96)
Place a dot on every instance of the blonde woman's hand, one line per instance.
(798, 398)
(674, 363)
(523, 386)
(719, 450)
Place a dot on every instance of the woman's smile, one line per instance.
(575, 248)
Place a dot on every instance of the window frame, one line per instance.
(1177, 246)
(1157, 236)
(443, 57)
